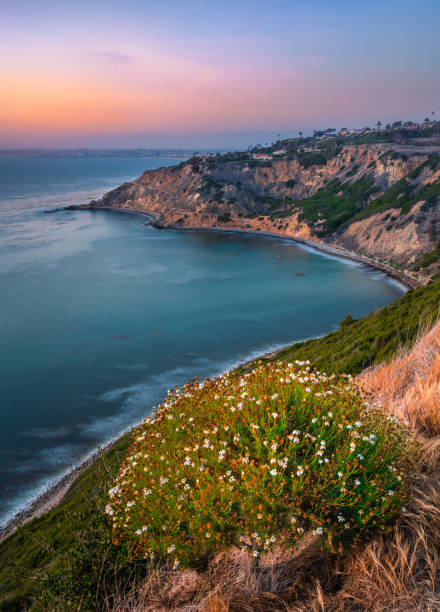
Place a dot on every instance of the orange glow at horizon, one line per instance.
(196, 96)
(73, 71)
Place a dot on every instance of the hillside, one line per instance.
(371, 340)
(67, 554)
(396, 571)
(379, 198)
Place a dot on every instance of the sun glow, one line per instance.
(72, 72)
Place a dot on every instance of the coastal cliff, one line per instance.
(378, 200)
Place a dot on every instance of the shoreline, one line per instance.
(56, 491)
(321, 247)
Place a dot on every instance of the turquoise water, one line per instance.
(100, 313)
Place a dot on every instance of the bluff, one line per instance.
(378, 199)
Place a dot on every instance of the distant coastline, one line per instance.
(85, 152)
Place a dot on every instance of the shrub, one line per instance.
(255, 459)
(431, 257)
(353, 170)
(347, 320)
(270, 202)
(312, 158)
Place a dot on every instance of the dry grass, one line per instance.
(409, 386)
(399, 572)
(233, 581)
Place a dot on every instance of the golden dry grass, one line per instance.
(409, 386)
(397, 573)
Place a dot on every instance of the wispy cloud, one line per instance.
(113, 57)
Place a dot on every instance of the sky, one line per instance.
(204, 73)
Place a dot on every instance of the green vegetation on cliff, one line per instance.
(404, 194)
(341, 202)
(372, 339)
(335, 203)
(431, 257)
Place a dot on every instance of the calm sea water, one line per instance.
(100, 314)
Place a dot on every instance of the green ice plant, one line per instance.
(256, 460)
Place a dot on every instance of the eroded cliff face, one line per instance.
(402, 237)
(275, 197)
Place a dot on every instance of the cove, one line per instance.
(102, 317)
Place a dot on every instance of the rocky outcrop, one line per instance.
(389, 236)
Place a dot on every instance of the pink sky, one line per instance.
(134, 73)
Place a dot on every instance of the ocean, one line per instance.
(100, 313)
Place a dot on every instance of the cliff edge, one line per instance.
(380, 200)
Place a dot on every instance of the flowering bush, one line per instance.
(256, 459)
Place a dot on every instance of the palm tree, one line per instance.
(300, 134)
(379, 125)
